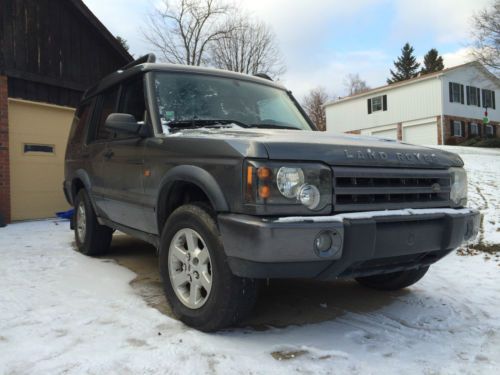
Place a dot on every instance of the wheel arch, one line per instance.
(193, 176)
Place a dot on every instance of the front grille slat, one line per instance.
(366, 189)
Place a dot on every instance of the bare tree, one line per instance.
(182, 30)
(313, 105)
(250, 47)
(486, 34)
(355, 85)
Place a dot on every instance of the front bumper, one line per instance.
(368, 242)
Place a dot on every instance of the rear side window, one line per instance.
(107, 106)
(80, 121)
(132, 98)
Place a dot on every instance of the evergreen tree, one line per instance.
(432, 62)
(406, 65)
(123, 42)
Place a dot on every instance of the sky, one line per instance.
(322, 41)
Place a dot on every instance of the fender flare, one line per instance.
(197, 176)
(83, 176)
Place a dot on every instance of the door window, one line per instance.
(132, 99)
(107, 106)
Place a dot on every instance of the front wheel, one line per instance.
(394, 280)
(197, 281)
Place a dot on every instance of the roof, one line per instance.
(94, 21)
(416, 79)
(121, 75)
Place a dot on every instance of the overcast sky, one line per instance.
(324, 40)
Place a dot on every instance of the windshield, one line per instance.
(196, 100)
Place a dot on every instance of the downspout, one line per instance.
(442, 108)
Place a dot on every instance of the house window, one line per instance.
(489, 130)
(473, 129)
(473, 97)
(378, 103)
(488, 99)
(456, 92)
(457, 128)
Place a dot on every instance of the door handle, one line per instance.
(109, 154)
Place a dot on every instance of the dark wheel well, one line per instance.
(76, 186)
(176, 195)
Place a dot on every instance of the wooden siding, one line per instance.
(52, 50)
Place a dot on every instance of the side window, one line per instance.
(456, 92)
(80, 121)
(107, 106)
(132, 98)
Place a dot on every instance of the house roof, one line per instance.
(416, 79)
(106, 34)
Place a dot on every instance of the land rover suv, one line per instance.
(225, 174)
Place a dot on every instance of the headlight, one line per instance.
(458, 194)
(289, 181)
(272, 184)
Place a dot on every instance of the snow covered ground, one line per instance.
(61, 312)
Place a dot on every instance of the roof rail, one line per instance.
(263, 75)
(149, 58)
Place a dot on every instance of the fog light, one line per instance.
(323, 242)
(328, 243)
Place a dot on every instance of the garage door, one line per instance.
(37, 139)
(423, 134)
(390, 134)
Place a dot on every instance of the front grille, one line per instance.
(371, 189)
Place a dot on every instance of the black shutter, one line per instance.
(467, 91)
(462, 94)
(469, 128)
(463, 128)
(493, 99)
(369, 101)
(478, 96)
(479, 129)
(384, 102)
(451, 91)
(483, 97)
(452, 128)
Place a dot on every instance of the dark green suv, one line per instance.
(229, 179)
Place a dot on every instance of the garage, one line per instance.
(388, 133)
(38, 135)
(421, 134)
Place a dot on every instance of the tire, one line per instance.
(197, 281)
(91, 237)
(393, 281)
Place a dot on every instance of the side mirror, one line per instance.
(122, 122)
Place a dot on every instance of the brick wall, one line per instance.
(4, 151)
(450, 139)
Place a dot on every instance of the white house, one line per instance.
(445, 107)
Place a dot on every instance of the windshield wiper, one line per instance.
(272, 126)
(200, 123)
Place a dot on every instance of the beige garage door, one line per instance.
(37, 139)
(424, 134)
(390, 134)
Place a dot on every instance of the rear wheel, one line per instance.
(91, 237)
(197, 281)
(393, 281)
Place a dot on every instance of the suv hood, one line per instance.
(330, 148)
